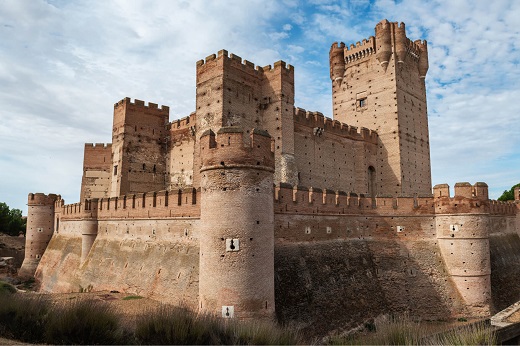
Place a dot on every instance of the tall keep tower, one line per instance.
(139, 138)
(233, 92)
(379, 84)
(236, 268)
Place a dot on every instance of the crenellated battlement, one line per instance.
(313, 200)
(228, 149)
(141, 104)
(318, 120)
(41, 199)
(98, 146)
(244, 64)
(164, 204)
(360, 50)
(183, 123)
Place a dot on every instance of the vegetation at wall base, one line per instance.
(402, 330)
(33, 318)
(6, 287)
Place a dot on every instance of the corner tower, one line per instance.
(40, 226)
(379, 84)
(236, 274)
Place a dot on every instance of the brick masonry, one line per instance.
(252, 208)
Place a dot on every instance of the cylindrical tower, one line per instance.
(401, 42)
(383, 43)
(337, 62)
(236, 277)
(423, 58)
(40, 226)
(462, 225)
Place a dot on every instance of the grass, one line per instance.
(402, 330)
(83, 322)
(32, 318)
(179, 326)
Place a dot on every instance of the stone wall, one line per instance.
(158, 259)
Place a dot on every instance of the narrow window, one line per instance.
(115, 170)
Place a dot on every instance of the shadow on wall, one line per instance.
(505, 269)
(322, 286)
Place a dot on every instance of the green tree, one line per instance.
(11, 220)
(509, 195)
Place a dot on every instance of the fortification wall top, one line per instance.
(38, 198)
(141, 104)
(237, 62)
(183, 123)
(157, 204)
(98, 146)
(318, 120)
(469, 199)
(227, 149)
(305, 200)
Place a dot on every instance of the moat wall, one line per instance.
(158, 259)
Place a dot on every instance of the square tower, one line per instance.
(139, 140)
(379, 84)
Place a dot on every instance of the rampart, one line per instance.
(250, 207)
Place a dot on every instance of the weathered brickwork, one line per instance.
(97, 165)
(253, 208)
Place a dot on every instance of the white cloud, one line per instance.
(64, 64)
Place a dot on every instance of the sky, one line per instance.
(63, 65)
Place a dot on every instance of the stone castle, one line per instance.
(252, 208)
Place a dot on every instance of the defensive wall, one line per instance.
(380, 254)
(264, 209)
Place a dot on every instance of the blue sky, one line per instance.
(63, 64)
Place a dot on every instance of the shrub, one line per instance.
(470, 334)
(83, 321)
(6, 288)
(174, 326)
(23, 317)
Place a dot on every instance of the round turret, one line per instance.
(423, 58)
(236, 275)
(337, 62)
(383, 43)
(401, 42)
(40, 226)
(462, 225)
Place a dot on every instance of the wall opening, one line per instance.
(372, 181)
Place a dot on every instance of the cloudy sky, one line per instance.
(63, 64)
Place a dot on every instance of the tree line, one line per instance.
(11, 220)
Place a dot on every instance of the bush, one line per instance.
(174, 326)
(23, 317)
(470, 334)
(83, 322)
(6, 288)
(170, 325)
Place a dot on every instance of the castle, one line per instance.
(252, 208)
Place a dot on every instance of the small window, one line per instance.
(115, 170)
(362, 102)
